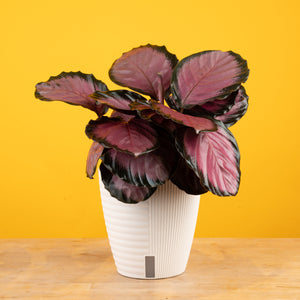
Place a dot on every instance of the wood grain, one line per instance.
(219, 268)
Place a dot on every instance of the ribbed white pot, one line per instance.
(151, 239)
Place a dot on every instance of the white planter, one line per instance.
(151, 239)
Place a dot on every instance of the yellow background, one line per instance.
(44, 191)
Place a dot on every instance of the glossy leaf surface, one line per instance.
(186, 179)
(214, 156)
(165, 123)
(150, 169)
(73, 88)
(146, 69)
(219, 106)
(124, 191)
(237, 110)
(136, 136)
(119, 99)
(94, 155)
(197, 123)
(214, 107)
(147, 113)
(207, 75)
(122, 116)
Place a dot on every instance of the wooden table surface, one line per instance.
(219, 268)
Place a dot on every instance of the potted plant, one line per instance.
(168, 135)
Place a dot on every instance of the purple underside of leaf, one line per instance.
(214, 156)
(124, 191)
(238, 109)
(167, 124)
(207, 75)
(150, 169)
(220, 106)
(94, 155)
(73, 88)
(146, 69)
(140, 105)
(186, 179)
(197, 123)
(135, 136)
(213, 107)
(147, 113)
(123, 115)
(119, 99)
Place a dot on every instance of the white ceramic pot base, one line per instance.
(151, 239)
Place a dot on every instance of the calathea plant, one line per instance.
(177, 130)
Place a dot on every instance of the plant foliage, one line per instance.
(173, 126)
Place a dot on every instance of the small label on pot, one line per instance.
(150, 266)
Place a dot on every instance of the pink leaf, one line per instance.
(147, 113)
(237, 110)
(94, 154)
(73, 88)
(135, 136)
(213, 107)
(219, 106)
(119, 99)
(122, 116)
(197, 123)
(149, 169)
(159, 120)
(124, 191)
(214, 156)
(146, 69)
(207, 75)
